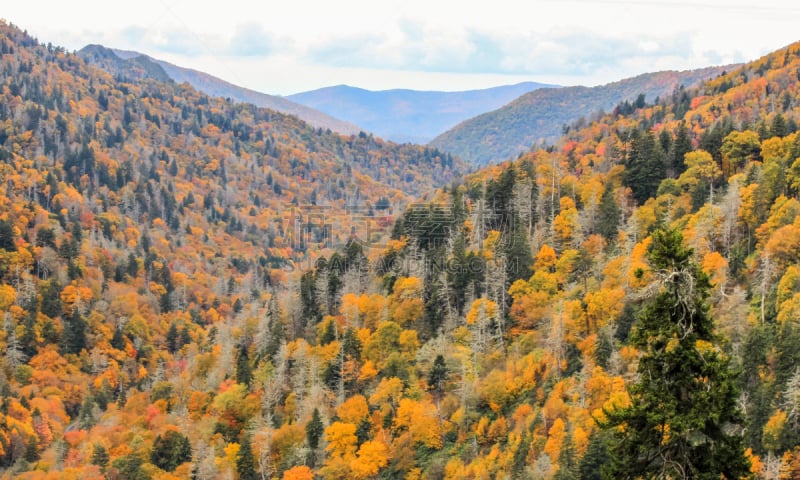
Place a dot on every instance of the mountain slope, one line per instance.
(409, 115)
(539, 116)
(136, 65)
(546, 282)
(157, 325)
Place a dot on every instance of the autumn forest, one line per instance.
(192, 287)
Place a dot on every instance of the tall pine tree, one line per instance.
(245, 462)
(684, 405)
(609, 214)
(680, 147)
(646, 166)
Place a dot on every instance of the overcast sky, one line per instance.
(289, 46)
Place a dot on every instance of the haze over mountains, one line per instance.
(409, 115)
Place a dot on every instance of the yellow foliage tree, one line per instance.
(300, 472)
(421, 420)
(372, 456)
(7, 296)
(555, 439)
(603, 306)
(565, 224)
(482, 308)
(545, 259)
(773, 430)
(353, 410)
(342, 440)
(406, 302)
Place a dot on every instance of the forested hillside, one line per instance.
(539, 117)
(135, 215)
(133, 65)
(189, 289)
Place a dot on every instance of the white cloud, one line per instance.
(279, 46)
(421, 48)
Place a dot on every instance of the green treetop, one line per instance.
(682, 418)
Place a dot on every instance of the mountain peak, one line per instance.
(405, 115)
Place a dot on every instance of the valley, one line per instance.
(195, 285)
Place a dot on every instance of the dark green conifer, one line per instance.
(314, 430)
(591, 465)
(73, 338)
(609, 215)
(244, 371)
(245, 462)
(170, 450)
(99, 455)
(172, 338)
(645, 167)
(683, 411)
(7, 236)
(438, 375)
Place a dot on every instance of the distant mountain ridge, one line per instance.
(541, 114)
(136, 65)
(403, 115)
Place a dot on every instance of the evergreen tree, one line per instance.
(604, 349)
(32, 453)
(351, 345)
(118, 339)
(596, 456)
(99, 455)
(73, 338)
(51, 298)
(499, 199)
(329, 334)
(435, 308)
(244, 372)
(438, 375)
(520, 455)
(458, 275)
(778, 126)
(518, 255)
(684, 402)
(129, 467)
(609, 215)
(712, 138)
(28, 341)
(170, 450)
(334, 286)
(7, 236)
(172, 338)
(311, 311)
(665, 141)
(314, 430)
(568, 467)
(645, 167)
(680, 147)
(276, 332)
(245, 462)
(757, 355)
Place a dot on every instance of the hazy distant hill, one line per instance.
(135, 65)
(409, 115)
(540, 115)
